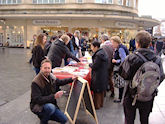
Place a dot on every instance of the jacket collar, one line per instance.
(41, 80)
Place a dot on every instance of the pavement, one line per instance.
(15, 80)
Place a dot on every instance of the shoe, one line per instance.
(112, 94)
(117, 101)
(42, 122)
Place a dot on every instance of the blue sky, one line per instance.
(155, 8)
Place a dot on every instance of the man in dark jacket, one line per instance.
(128, 69)
(49, 43)
(44, 92)
(59, 50)
(99, 79)
(107, 47)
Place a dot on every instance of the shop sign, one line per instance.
(47, 22)
(125, 25)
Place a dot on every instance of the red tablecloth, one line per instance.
(62, 75)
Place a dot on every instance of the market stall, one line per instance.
(82, 70)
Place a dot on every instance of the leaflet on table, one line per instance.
(81, 72)
(72, 70)
(68, 69)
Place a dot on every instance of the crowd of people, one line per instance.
(109, 56)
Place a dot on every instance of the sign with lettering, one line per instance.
(125, 25)
(47, 22)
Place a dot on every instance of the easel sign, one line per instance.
(88, 103)
(80, 91)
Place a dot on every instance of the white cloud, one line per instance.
(155, 8)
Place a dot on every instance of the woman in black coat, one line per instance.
(38, 52)
(99, 80)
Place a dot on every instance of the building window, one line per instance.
(127, 2)
(3, 1)
(109, 1)
(104, 1)
(14, 1)
(134, 3)
(19, 1)
(59, 1)
(35, 1)
(79, 1)
(47, 1)
(10, 1)
(120, 2)
(15, 36)
(51, 1)
(39, 2)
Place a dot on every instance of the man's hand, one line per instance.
(114, 61)
(74, 78)
(58, 94)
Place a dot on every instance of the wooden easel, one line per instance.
(80, 91)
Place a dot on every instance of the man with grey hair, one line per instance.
(107, 47)
(59, 50)
(105, 39)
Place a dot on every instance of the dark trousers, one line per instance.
(37, 70)
(51, 112)
(130, 111)
(111, 82)
(98, 99)
(30, 61)
(121, 92)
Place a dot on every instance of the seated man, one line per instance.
(44, 92)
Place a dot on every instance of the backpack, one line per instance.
(145, 81)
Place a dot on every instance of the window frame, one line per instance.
(122, 2)
(128, 1)
(77, 1)
(104, 2)
(6, 2)
(54, 2)
(134, 3)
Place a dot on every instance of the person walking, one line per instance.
(129, 68)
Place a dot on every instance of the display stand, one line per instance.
(80, 91)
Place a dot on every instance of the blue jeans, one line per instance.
(37, 70)
(51, 112)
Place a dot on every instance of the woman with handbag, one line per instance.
(120, 54)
